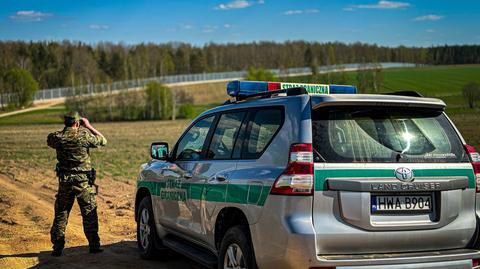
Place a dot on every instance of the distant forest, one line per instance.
(59, 64)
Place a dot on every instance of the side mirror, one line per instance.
(159, 151)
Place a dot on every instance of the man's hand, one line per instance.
(89, 126)
(85, 122)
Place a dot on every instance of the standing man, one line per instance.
(76, 178)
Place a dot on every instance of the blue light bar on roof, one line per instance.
(343, 89)
(244, 88)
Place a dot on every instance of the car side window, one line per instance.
(191, 144)
(264, 126)
(225, 135)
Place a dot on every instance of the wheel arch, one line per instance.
(142, 192)
(228, 217)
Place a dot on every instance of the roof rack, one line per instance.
(406, 93)
(288, 92)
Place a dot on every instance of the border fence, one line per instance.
(49, 94)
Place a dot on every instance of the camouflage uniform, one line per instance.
(72, 146)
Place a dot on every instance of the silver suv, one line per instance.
(314, 176)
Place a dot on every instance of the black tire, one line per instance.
(475, 241)
(146, 231)
(237, 237)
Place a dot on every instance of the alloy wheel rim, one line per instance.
(144, 228)
(234, 258)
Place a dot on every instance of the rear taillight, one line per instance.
(297, 179)
(475, 263)
(475, 159)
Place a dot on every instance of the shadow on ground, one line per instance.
(118, 255)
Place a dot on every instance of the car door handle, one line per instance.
(188, 175)
(220, 178)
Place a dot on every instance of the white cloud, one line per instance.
(348, 9)
(226, 25)
(293, 12)
(383, 4)
(29, 16)
(187, 26)
(209, 29)
(430, 17)
(430, 30)
(298, 11)
(98, 26)
(236, 4)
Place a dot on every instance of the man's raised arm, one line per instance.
(102, 141)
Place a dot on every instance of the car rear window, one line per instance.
(370, 134)
(263, 127)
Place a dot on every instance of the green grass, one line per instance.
(54, 115)
(24, 147)
(444, 82)
(199, 109)
(41, 116)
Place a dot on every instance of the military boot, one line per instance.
(95, 248)
(57, 251)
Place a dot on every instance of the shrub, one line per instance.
(471, 93)
(186, 111)
(21, 84)
(260, 75)
(159, 101)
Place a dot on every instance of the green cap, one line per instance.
(72, 116)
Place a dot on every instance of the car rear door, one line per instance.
(390, 180)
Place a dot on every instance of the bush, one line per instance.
(260, 75)
(159, 101)
(156, 102)
(21, 84)
(109, 107)
(186, 111)
(471, 93)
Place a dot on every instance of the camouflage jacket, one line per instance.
(72, 145)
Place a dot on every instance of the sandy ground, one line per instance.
(26, 213)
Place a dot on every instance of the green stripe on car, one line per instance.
(252, 194)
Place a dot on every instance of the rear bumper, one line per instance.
(462, 264)
(292, 243)
(459, 258)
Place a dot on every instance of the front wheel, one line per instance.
(236, 250)
(146, 233)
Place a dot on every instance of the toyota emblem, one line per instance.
(404, 174)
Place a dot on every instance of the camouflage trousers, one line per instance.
(71, 186)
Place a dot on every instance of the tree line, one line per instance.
(61, 64)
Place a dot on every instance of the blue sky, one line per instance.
(391, 23)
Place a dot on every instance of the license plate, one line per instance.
(401, 203)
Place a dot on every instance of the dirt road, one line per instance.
(26, 213)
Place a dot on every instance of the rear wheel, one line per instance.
(146, 233)
(236, 250)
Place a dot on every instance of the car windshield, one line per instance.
(369, 134)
